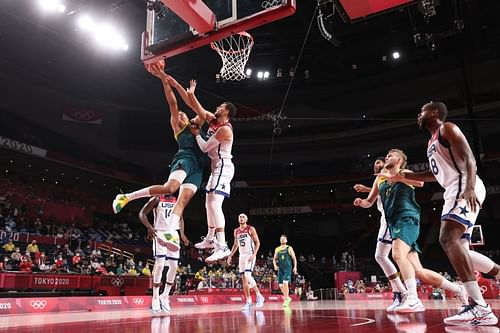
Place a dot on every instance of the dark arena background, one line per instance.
(329, 86)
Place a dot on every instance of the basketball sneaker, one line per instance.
(206, 243)
(286, 302)
(410, 306)
(473, 315)
(120, 201)
(164, 304)
(248, 306)
(221, 252)
(467, 329)
(260, 301)
(156, 305)
(396, 301)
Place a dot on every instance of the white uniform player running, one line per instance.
(247, 242)
(164, 233)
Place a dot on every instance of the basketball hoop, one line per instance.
(234, 52)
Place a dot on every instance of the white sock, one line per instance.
(397, 285)
(166, 291)
(221, 237)
(472, 288)
(481, 262)
(411, 284)
(156, 292)
(142, 193)
(448, 285)
(211, 232)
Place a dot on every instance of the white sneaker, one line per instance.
(156, 305)
(206, 243)
(260, 301)
(164, 304)
(221, 252)
(473, 315)
(248, 306)
(410, 306)
(396, 301)
(462, 296)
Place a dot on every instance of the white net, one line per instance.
(234, 52)
(272, 3)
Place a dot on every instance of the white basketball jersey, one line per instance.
(222, 150)
(162, 214)
(380, 205)
(245, 241)
(442, 164)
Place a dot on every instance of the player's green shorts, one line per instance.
(284, 275)
(407, 229)
(193, 170)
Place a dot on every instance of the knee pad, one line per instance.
(250, 279)
(172, 270)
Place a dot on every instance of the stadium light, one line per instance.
(52, 5)
(396, 55)
(86, 23)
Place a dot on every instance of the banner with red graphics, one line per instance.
(81, 115)
(9, 306)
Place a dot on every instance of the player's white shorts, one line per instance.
(458, 210)
(160, 250)
(245, 265)
(384, 235)
(220, 177)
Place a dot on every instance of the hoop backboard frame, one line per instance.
(152, 52)
(479, 233)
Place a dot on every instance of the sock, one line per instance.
(472, 288)
(481, 262)
(397, 285)
(166, 291)
(211, 232)
(221, 237)
(156, 292)
(142, 193)
(447, 285)
(411, 284)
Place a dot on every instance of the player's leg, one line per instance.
(480, 262)
(259, 299)
(430, 277)
(172, 260)
(157, 274)
(214, 206)
(382, 258)
(286, 276)
(209, 241)
(173, 183)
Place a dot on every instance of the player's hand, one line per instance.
(358, 202)
(295, 270)
(185, 240)
(275, 268)
(358, 188)
(157, 68)
(192, 86)
(151, 233)
(397, 177)
(471, 199)
(194, 129)
(229, 260)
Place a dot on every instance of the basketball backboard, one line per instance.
(177, 26)
(355, 10)
(476, 237)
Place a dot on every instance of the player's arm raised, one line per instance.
(294, 259)
(256, 241)
(222, 133)
(370, 200)
(461, 149)
(233, 249)
(143, 216)
(204, 114)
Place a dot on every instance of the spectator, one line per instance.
(59, 263)
(32, 248)
(3, 265)
(9, 246)
(120, 270)
(102, 269)
(16, 256)
(37, 225)
(76, 259)
(146, 271)
(132, 271)
(26, 265)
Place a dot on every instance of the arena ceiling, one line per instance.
(356, 101)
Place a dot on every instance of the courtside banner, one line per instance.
(83, 115)
(22, 147)
(280, 210)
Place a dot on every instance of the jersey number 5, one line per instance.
(242, 242)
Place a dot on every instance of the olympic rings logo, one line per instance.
(138, 300)
(82, 114)
(38, 304)
(117, 282)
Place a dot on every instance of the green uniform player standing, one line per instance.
(285, 262)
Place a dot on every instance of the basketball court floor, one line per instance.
(318, 316)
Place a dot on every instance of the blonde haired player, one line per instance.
(247, 242)
(163, 233)
(283, 258)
